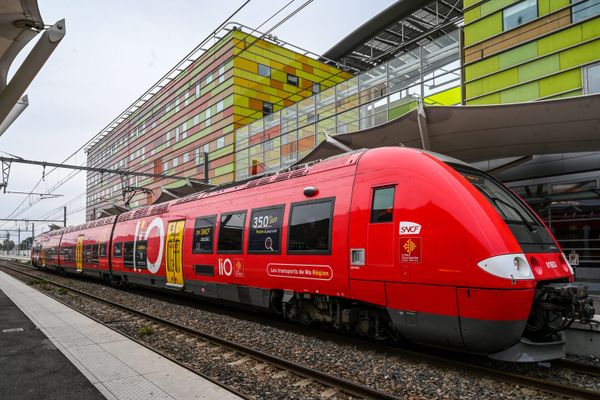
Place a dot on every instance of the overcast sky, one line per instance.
(113, 51)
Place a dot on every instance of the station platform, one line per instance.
(23, 259)
(49, 351)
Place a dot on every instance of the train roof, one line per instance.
(293, 172)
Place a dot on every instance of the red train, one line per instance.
(389, 242)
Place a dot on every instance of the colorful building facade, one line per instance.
(236, 81)
(523, 50)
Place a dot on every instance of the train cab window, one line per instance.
(94, 254)
(118, 250)
(310, 227)
(204, 234)
(382, 207)
(102, 250)
(231, 232)
(265, 230)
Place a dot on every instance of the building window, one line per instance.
(310, 227)
(519, 14)
(221, 142)
(207, 148)
(198, 90)
(175, 162)
(165, 166)
(198, 156)
(186, 157)
(316, 88)
(293, 80)
(222, 74)
(267, 108)
(264, 70)
(231, 232)
(591, 79)
(168, 139)
(207, 115)
(220, 106)
(585, 10)
(382, 209)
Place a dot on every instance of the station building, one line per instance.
(265, 108)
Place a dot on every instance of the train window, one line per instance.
(102, 250)
(87, 254)
(118, 250)
(231, 232)
(265, 230)
(204, 234)
(141, 247)
(128, 254)
(94, 255)
(382, 207)
(310, 227)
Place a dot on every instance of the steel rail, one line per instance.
(435, 360)
(337, 383)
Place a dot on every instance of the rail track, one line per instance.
(224, 347)
(340, 385)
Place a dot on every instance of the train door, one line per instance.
(79, 254)
(174, 247)
(373, 232)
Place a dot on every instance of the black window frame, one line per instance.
(267, 67)
(294, 77)
(241, 251)
(289, 227)
(120, 245)
(95, 252)
(268, 108)
(126, 262)
(374, 191)
(212, 244)
(259, 209)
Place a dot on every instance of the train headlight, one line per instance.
(508, 266)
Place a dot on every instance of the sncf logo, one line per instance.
(551, 264)
(409, 228)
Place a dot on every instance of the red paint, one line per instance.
(458, 228)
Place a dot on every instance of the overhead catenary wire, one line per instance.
(82, 147)
(286, 18)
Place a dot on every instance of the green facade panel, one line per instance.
(494, 5)
(493, 98)
(499, 81)
(565, 81)
(560, 40)
(538, 68)
(580, 55)
(590, 29)
(482, 68)
(527, 92)
(518, 55)
(483, 28)
(472, 14)
(548, 6)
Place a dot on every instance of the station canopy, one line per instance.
(478, 133)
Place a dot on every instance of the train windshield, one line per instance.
(531, 234)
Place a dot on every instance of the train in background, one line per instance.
(388, 242)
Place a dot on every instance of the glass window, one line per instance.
(310, 227)
(585, 10)
(186, 157)
(265, 230)
(267, 108)
(165, 166)
(231, 232)
(94, 254)
(519, 14)
(221, 142)
(382, 209)
(293, 80)
(591, 76)
(316, 88)
(128, 254)
(141, 247)
(175, 162)
(207, 115)
(102, 250)
(264, 70)
(204, 232)
(220, 106)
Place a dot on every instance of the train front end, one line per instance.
(549, 296)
